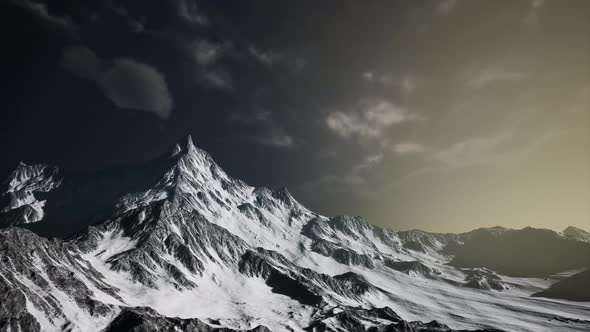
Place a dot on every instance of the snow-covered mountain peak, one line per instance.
(185, 148)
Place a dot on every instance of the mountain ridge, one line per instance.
(195, 243)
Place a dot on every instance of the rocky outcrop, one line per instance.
(481, 278)
(372, 320)
(141, 319)
(20, 193)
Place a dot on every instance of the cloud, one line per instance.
(406, 148)
(209, 71)
(266, 57)
(206, 53)
(407, 84)
(271, 132)
(471, 151)
(190, 12)
(135, 85)
(293, 63)
(82, 62)
(277, 137)
(369, 119)
(126, 82)
(216, 77)
(372, 77)
(347, 182)
(41, 11)
(488, 77)
(368, 161)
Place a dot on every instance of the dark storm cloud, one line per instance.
(129, 84)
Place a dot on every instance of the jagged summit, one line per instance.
(186, 146)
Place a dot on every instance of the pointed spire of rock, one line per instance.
(186, 146)
(284, 196)
(189, 143)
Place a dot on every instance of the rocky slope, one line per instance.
(180, 245)
(21, 190)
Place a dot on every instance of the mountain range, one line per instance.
(176, 244)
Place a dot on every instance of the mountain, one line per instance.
(574, 288)
(575, 233)
(21, 190)
(520, 253)
(177, 244)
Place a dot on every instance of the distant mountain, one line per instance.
(526, 252)
(176, 244)
(574, 288)
(574, 233)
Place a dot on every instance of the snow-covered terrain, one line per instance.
(197, 250)
(20, 190)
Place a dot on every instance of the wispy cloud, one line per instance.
(190, 12)
(373, 77)
(406, 83)
(471, 151)
(41, 11)
(407, 148)
(266, 57)
(273, 58)
(468, 152)
(206, 53)
(368, 161)
(207, 57)
(367, 120)
(276, 137)
(489, 77)
(271, 133)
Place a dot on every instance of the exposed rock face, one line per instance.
(412, 267)
(21, 190)
(147, 320)
(372, 320)
(178, 237)
(482, 278)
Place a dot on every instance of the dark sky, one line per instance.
(440, 115)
